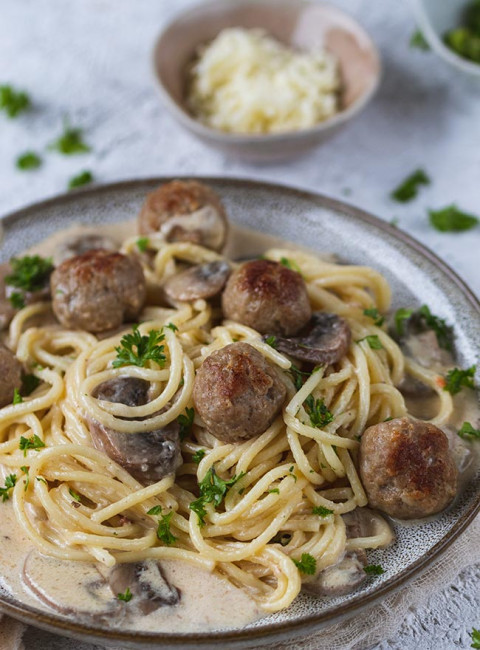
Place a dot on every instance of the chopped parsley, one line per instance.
(172, 326)
(186, 422)
(321, 511)
(456, 379)
(17, 300)
(74, 495)
(318, 412)
(26, 482)
(418, 40)
(408, 190)
(401, 315)
(126, 596)
(198, 455)
(290, 264)
(142, 244)
(163, 531)
(475, 634)
(136, 349)
(443, 332)
(307, 565)
(297, 376)
(10, 483)
(29, 273)
(70, 142)
(28, 160)
(271, 341)
(29, 383)
(83, 178)
(373, 341)
(13, 101)
(451, 219)
(373, 313)
(17, 398)
(212, 490)
(156, 510)
(373, 570)
(41, 479)
(274, 491)
(34, 442)
(465, 39)
(468, 432)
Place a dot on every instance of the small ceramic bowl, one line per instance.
(302, 24)
(435, 18)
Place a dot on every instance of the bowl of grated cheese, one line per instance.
(265, 79)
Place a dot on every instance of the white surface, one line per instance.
(89, 60)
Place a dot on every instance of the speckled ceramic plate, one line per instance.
(323, 224)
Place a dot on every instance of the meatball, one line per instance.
(407, 468)
(267, 296)
(98, 290)
(185, 211)
(11, 374)
(147, 456)
(238, 393)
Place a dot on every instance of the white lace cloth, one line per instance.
(90, 60)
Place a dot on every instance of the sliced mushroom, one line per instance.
(148, 456)
(325, 340)
(11, 375)
(149, 587)
(71, 587)
(201, 281)
(81, 243)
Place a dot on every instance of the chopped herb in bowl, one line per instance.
(464, 40)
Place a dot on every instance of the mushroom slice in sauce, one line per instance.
(78, 244)
(70, 587)
(148, 456)
(325, 340)
(201, 281)
(149, 587)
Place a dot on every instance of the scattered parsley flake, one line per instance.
(373, 570)
(83, 178)
(271, 341)
(70, 142)
(274, 491)
(468, 432)
(401, 315)
(418, 40)
(298, 376)
(28, 161)
(26, 482)
(29, 384)
(374, 314)
(30, 273)
(212, 490)
(307, 564)
(17, 398)
(142, 244)
(408, 189)
(475, 634)
(186, 422)
(443, 332)
(318, 412)
(10, 483)
(74, 495)
(126, 597)
(456, 379)
(156, 510)
(451, 219)
(172, 326)
(136, 349)
(13, 101)
(40, 478)
(373, 341)
(17, 300)
(198, 455)
(34, 442)
(163, 531)
(290, 264)
(322, 511)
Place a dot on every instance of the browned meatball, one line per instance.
(407, 468)
(98, 290)
(11, 375)
(185, 211)
(267, 296)
(237, 393)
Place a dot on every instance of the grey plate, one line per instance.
(416, 275)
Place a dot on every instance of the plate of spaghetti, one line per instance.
(230, 412)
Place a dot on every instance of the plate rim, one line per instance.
(277, 630)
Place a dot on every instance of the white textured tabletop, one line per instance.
(90, 61)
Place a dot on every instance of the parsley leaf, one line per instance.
(136, 350)
(74, 495)
(13, 101)
(297, 376)
(307, 564)
(172, 326)
(318, 412)
(26, 482)
(70, 142)
(156, 510)
(475, 634)
(400, 316)
(373, 341)
(83, 178)
(374, 314)
(274, 491)
(17, 300)
(17, 398)
(271, 341)
(10, 483)
(142, 244)
(163, 531)
(186, 422)
(322, 511)
(456, 379)
(212, 490)
(468, 432)
(290, 264)
(373, 570)
(34, 442)
(198, 455)
(408, 190)
(418, 40)
(443, 332)
(28, 160)
(451, 219)
(29, 273)
(126, 597)
(29, 383)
